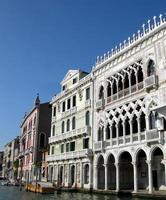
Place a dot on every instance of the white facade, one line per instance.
(70, 161)
(129, 135)
(127, 128)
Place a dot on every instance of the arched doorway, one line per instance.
(158, 172)
(111, 179)
(101, 173)
(61, 175)
(72, 174)
(142, 170)
(126, 171)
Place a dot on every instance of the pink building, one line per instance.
(35, 130)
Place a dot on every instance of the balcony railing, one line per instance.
(99, 104)
(69, 112)
(70, 155)
(152, 135)
(151, 82)
(74, 133)
(125, 92)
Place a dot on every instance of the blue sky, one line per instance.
(41, 39)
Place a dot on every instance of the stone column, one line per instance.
(135, 176)
(106, 176)
(150, 175)
(110, 136)
(81, 174)
(131, 131)
(117, 176)
(95, 177)
(117, 134)
(75, 175)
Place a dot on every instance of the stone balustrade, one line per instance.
(70, 134)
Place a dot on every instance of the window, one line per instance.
(87, 118)
(63, 87)
(108, 132)
(68, 104)
(54, 111)
(114, 130)
(53, 130)
(142, 122)
(67, 147)
(120, 128)
(63, 106)
(109, 90)
(86, 174)
(100, 134)
(152, 120)
(74, 101)
(72, 146)
(151, 68)
(85, 143)
(73, 123)
(101, 93)
(135, 124)
(63, 127)
(52, 150)
(74, 80)
(68, 125)
(42, 140)
(87, 93)
(62, 148)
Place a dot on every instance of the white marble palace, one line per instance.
(109, 127)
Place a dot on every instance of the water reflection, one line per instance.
(13, 193)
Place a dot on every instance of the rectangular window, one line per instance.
(68, 104)
(74, 80)
(74, 101)
(54, 111)
(63, 87)
(63, 106)
(87, 93)
(52, 150)
(72, 146)
(62, 148)
(85, 143)
(67, 147)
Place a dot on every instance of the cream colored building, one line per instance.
(70, 156)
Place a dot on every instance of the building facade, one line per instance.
(10, 156)
(35, 130)
(109, 127)
(129, 133)
(1, 162)
(70, 156)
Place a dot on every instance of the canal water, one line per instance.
(13, 193)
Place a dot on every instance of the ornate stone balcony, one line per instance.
(99, 104)
(69, 112)
(152, 135)
(150, 82)
(125, 92)
(70, 155)
(87, 103)
(86, 130)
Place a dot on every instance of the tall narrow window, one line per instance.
(63, 127)
(62, 148)
(68, 104)
(67, 147)
(127, 126)
(87, 118)
(133, 78)
(140, 75)
(73, 123)
(151, 68)
(85, 143)
(109, 90)
(101, 93)
(54, 111)
(74, 101)
(68, 125)
(87, 93)
(52, 150)
(108, 132)
(86, 174)
(120, 128)
(63, 106)
(142, 122)
(114, 130)
(100, 134)
(135, 124)
(53, 130)
(152, 120)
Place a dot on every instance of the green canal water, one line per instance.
(13, 193)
